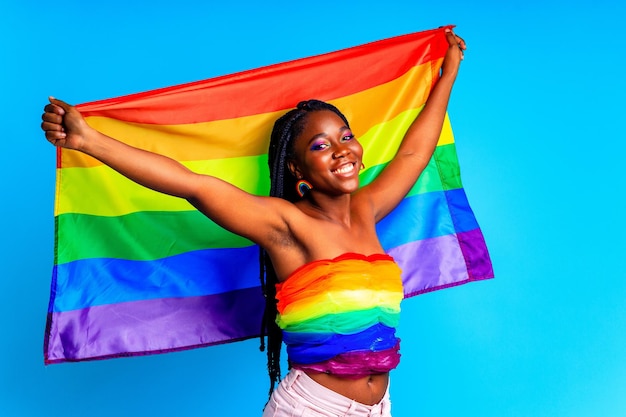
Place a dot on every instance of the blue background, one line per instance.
(537, 113)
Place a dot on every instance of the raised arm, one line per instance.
(253, 217)
(420, 141)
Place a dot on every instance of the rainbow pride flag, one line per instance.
(138, 272)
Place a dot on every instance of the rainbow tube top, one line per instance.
(339, 316)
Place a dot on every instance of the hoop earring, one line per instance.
(302, 187)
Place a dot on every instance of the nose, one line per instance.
(341, 151)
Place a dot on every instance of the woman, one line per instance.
(321, 240)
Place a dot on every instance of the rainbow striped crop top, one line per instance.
(339, 316)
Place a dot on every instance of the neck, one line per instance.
(332, 208)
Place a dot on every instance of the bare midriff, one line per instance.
(368, 390)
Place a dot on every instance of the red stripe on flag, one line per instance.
(276, 87)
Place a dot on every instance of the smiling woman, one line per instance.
(331, 291)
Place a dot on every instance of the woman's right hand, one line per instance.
(63, 125)
(455, 53)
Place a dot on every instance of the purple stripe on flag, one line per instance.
(166, 324)
(432, 264)
(476, 255)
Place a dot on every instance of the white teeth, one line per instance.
(344, 169)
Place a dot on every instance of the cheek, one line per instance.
(319, 161)
(357, 149)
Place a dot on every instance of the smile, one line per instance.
(344, 169)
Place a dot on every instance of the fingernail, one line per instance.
(447, 30)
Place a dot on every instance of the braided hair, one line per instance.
(283, 185)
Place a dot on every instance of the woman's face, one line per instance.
(327, 154)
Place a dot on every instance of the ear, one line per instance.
(293, 168)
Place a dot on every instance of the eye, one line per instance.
(319, 146)
(348, 137)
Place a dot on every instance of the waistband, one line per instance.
(329, 401)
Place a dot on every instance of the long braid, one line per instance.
(283, 185)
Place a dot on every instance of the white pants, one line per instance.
(298, 395)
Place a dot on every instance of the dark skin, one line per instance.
(326, 155)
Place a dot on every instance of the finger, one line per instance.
(461, 42)
(51, 127)
(454, 39)
(53, 108)
(450, 36)
(52, 117)
(66, 107)
(53, 137)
